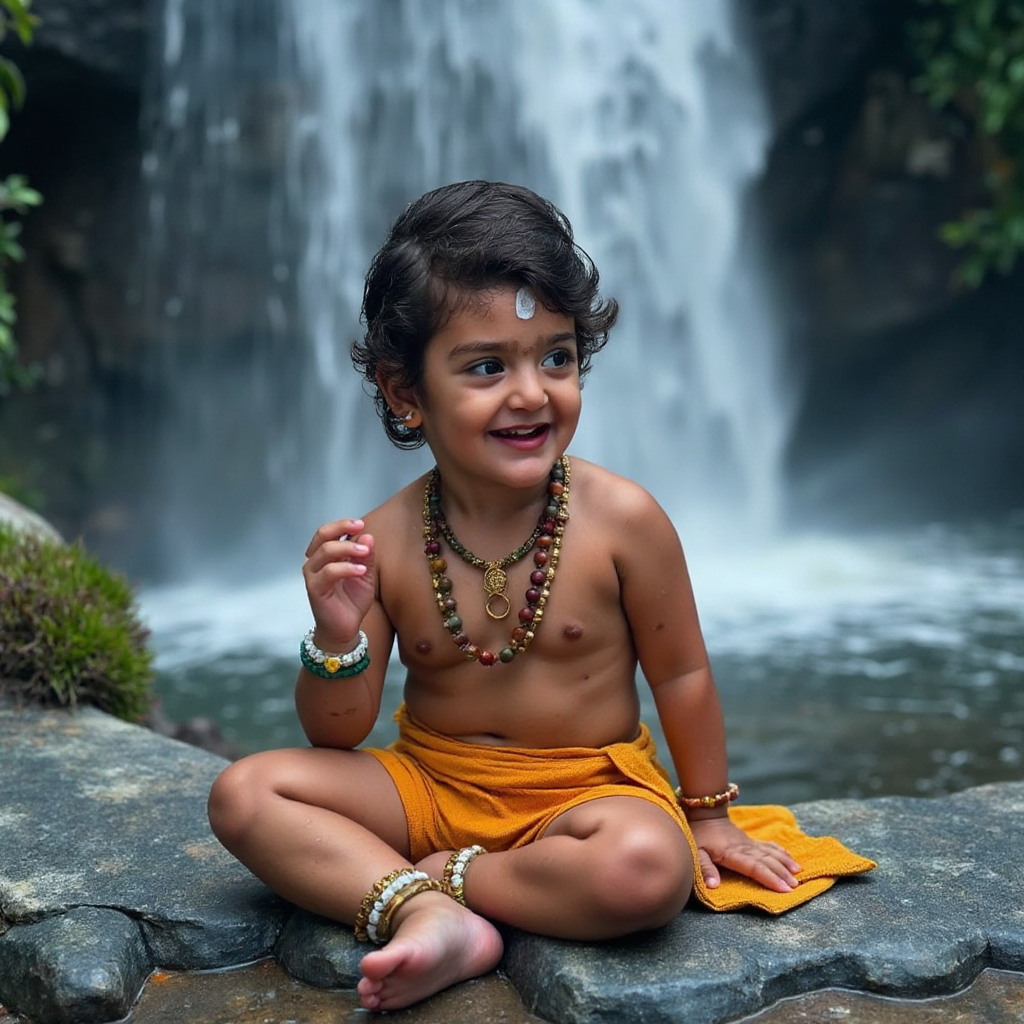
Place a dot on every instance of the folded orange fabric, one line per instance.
(822, 860)
(456, 794)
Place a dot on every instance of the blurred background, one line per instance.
(825, 394)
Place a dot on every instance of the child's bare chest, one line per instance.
(444, 617)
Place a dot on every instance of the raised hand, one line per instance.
(340, 575)
(720, 843)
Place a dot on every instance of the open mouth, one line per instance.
(522, 433)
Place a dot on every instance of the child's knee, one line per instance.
(231, 804)
(647, 878)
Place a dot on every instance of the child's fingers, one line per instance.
(339, 552)
(326, 578)
(337, 529)
(708, 871)
(762, 863)
(773, 873)
(783, 855)
(774, 876)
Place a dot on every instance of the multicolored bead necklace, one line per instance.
(495, 577)
(548, 540)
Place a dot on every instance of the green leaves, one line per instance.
(12, 91)
(15, 14)
(972, 57)
(15, 197)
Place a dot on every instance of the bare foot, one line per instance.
(438, 942)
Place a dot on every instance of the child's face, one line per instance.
(500, 393)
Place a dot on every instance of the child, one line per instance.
(523, 788)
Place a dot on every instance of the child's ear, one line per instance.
(401, 399)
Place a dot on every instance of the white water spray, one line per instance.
(641, 119)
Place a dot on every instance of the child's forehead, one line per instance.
(498, 300)
(460, 300)
(485, 302)
(494, 318)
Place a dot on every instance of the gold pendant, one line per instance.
(495, 582)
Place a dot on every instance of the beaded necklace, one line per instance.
(548, 540)
(495, 577)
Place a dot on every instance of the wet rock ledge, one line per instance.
(108, 870)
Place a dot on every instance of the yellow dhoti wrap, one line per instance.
(456, 794)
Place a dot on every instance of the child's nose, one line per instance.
(528, 391)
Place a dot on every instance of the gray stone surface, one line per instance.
(24, 519)
(316, 950)
(87, 964)
(108, 869)
(99, 813)
(946, 901)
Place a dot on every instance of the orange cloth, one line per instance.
(456, 794)
(822, 860)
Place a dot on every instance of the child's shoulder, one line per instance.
(612, 496)
(396, 511)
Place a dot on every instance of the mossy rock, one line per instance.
(69, 629)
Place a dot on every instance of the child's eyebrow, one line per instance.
(475, 348)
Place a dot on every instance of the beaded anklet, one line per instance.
(693, 803)
(454, 876)
(334, 666)
(373, 921)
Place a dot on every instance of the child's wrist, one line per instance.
(706, 814)
(333, 643)
(334, 664)
(711, 805)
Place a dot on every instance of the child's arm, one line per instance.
(341, 580)
(659, 604)
(691, 719)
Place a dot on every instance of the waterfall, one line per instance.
(287, 136)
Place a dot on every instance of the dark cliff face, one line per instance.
(910, 402)
(79, 290)
(907, 404)
(107, 38)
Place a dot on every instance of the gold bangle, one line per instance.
(454, 874)
(693, 803)
(413, 889)
(375, 902)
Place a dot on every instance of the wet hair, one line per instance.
(442, 252)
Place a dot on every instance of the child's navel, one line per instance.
(424, 646)
(572, 631)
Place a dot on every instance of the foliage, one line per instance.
(972, 52)
(15, 195)
(69, 630)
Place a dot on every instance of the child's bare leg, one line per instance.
(320, 827)
(603, 869)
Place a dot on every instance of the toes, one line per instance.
(369, 986)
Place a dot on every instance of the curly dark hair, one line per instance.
(447, 247)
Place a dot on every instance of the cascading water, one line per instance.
(223, 239)
(641, 119)
(287, 134)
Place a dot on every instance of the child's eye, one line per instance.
(560, 358)
(487, 368)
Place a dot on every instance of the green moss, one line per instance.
(69, 629)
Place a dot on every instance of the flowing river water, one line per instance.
(848, 667)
